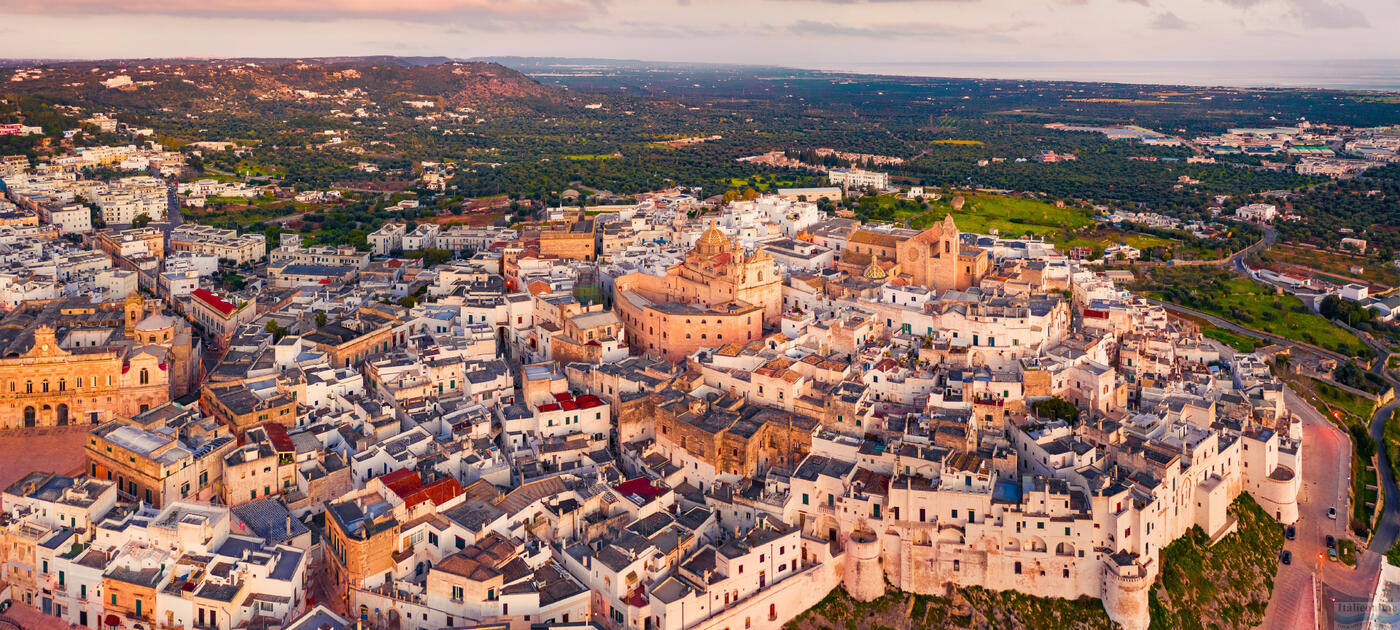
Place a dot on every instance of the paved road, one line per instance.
(1238, 258)
(1250, 332)
(1326, 477)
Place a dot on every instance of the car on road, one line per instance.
(1331, 542)
(1290, 532)
(1286, 557)
(1332, 513)
(1332, 554)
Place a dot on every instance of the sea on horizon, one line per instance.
(1372, 74)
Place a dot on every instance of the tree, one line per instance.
(320, 319)
(278, 332)
(1056, 409)
(141, 220)
(407, 301)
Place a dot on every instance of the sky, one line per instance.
(829, 34)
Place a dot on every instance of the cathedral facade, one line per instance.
(936, 259)
(73, 362)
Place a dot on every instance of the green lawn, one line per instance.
(1238, 342)
(1360, 407)
(1248, 304)
(1011, 216)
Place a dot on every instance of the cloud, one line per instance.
(905, 29)
(1168, 21)
(884, 1)
(1324, 14)
(322, 9)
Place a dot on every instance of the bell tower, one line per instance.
(135, 308)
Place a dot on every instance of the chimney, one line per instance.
(289, 524)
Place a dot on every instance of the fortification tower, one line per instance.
(1125, 582)
(864, 578)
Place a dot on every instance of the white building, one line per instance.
(849, 178)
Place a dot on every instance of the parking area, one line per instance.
(52, 449)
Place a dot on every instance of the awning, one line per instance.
(113, 621)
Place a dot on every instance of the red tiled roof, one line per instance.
(277, 434)
(563, 396)
(438, 492)
(215, 302)
(401, 481)
(637, 597)
(588, 401)
(641, 486)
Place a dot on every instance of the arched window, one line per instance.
(29, 416)
(29, 387)
(46, 386)
(145, 377)
(62, 385)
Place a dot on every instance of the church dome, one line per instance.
(155, 322)
(875, 272)
(712, 239)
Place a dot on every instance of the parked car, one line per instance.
(1290, 532)
(1286, 557)
(1332, 513)
(1331, 542)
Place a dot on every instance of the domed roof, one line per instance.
(875, 272)
(155, 322)
(712, 237)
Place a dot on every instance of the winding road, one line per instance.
(1326, 476)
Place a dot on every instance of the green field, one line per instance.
(1238, 342)
(1010, 216)
(1240, 300)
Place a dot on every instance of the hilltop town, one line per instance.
(677, 413)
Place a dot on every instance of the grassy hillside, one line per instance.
(1224, 586)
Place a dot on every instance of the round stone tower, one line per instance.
(1125, 585)
(864, 579)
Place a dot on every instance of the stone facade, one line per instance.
(936, 259)
(716, 296)
(89, 376)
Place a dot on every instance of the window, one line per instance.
(804, 498)
(457, 593)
